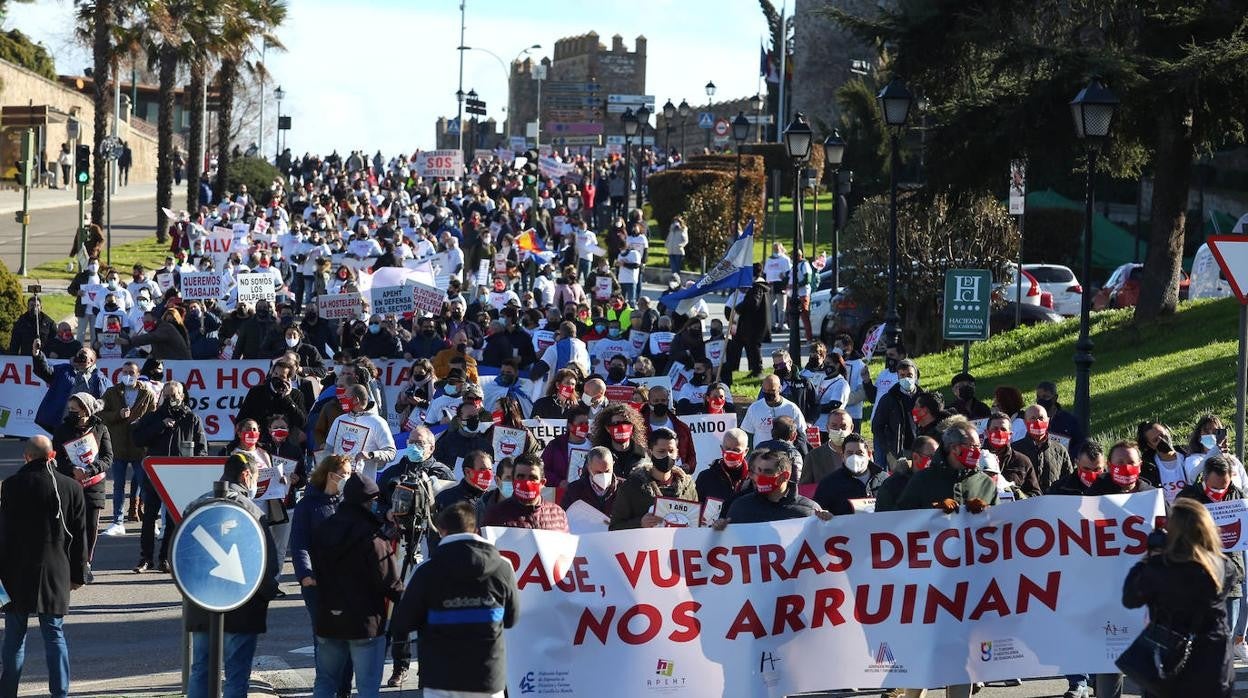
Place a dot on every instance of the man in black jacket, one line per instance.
(459, 602)
(42, 558)
(172, 429)
(356, 575)
(892, 423)
(276, 397)
(858, 480)
(84, 452)
(775, 496)
(34, 324)
(260, 336)
(751, 324)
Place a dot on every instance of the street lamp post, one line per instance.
(797, 142)
(629, 121)
(643, 120)
(740, 132)
(684, 110)
(710, 92)
(895, 102)
(833, 155)
(459, 120)
(1093, 110)
(669, 113)
(278, 94)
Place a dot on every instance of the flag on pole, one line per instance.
(528, 240)
(735, 270)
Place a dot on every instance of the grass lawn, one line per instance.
(59, 305)
(1173, 370)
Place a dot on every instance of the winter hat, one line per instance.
(360, 489)
(89, 404)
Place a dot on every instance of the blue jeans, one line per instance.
(367, 656)
(119, 485)
(54, 648)
(1232, 614)
(675, 262)
(237, 652)
(310, 597)
(628, 291)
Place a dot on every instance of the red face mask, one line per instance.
(920, 462)
(969, 457)
(566, 392)
(344, 275)
(716, 404)
(617, 304)
(527, 490)
(339, 391)
(635, 405)
(498, 286)
(621, 433)
(1215, 495)
(279, 434)
(1087, 477)
(497, 416)
(149, 325)
(580, 429)
(65, 336)
(734, 459)
(481, 479)
(249, 438)
(1125, 474)
(1038, 428)
(998, 438)
(765, 484)
(347, 404)
(916, 414)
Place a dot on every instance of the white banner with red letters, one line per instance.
(897, 599)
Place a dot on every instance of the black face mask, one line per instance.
(473, 423)
(891, 364)
(73, 420)
(1164, 446)
(659, 410)
(462, 347)
(426, 333)
(310, 319)
(1049, 406)
(110, 307)
(698, 379)
(616, 374)
(663, 465)
(966, 392)
(772, 399)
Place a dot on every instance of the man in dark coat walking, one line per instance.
(751, 324)
(43, 556)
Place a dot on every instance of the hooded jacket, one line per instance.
(637, 493)
(379, 441)
(355, 573)
(459, 602)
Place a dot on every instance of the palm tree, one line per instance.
(247, 21)
(98, 21)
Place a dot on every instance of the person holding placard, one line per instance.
(860, 479)
(360, 433)
(656, 478)
(726, 475)
(84, 451)
(507, 427)
(596, 484)
(774, 497)
(287, 454)
(463, 436)
(568, 448)
(657, 413)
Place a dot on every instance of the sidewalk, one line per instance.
(43, 198)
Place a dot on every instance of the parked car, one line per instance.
(1008, 289)
(821, 299)
(1061, 282)
(845, 315)
(1002, 319)
(1122, 290)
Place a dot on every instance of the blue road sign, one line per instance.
(706, 119)
(219, 556)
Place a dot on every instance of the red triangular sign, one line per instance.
(1231, 251)
(180, 481)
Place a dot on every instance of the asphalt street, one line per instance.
(51, 229)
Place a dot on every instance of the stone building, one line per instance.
(447, 137)
(822, 55)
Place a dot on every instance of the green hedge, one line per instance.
(776, 157)
(12, 303)
(706, 198)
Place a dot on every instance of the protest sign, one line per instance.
(253, 288)
(871, 340)
(620, 393)
(602, 288)
(813, 437)
(427, 299)
(715, 352)
(543, 340)
(640, 340)
(392, 300)
(708, 434)
(914, 598)
(82, 451)
(440, 163)
(483, 272)
(677, 513)
(218, 245)
(351, 438)
(202, 286)
(660, 342)
(508, 442)
(339, 306)
(1229, 516)
(545, 430)
(583, 518)
(576, 460)
(164, 280)
(712, 509)
(240, 230)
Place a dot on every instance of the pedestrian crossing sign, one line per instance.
(706, 120)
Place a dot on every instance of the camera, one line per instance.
(34, 288)
(1157, 539)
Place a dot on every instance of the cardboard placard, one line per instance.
(583, 518)
(813, 437)
(508, 442)
(677, 513)
(427, 299)
(1230, 517)
(602, 288)
(440, 163)
(715, 351)
(339, 306)
(201, 286)
(1062, 439)
(545, 430)
(351, 439)
(712, 510)
(253, 288)
(543, 340)
(661, 342)
(392, 300)
(866, 505)
(576, 460)
(483, 272)
(82, 451)
(620, 393)
(500, 263)
(640, 340)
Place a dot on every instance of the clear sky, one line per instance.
(377, 73)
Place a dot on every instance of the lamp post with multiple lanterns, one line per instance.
(895, 102)
(798, 139)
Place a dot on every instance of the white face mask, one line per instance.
(127, 380)
(837, 436)
(292, 343)
(856, 463)
(602, 480)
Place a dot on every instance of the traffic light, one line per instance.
(26, 162)
(82, 164)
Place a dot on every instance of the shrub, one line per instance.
(256, 173)
(12, 303)
(706, 199)
(669, 191)
(776, 157)
(17, 48)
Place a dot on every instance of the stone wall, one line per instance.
(822, 54)
(21, 87)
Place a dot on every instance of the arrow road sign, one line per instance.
(1231, 251)
(219, 556)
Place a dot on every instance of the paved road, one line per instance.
(51, 230)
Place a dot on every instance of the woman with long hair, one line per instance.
(506, 412)
(561, 395)
(1184, 583)
(622, 429)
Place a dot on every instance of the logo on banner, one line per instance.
(985, 651)
(884, 654)
(999, 650)
(884, 661)
(527, 684)
(665, 679)
(557, 682)
(665, 667)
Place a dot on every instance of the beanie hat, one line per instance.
(89, 404)
(360, 489)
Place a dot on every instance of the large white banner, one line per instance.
(898, 599)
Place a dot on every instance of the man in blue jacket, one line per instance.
(80, 375)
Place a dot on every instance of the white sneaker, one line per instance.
(115, 530)
(160, 533)
(1241, 651)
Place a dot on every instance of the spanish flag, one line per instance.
(528, 240)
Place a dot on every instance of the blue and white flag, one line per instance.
(735, 270)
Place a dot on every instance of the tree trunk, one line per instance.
(1159, 286)
(101, 58)
(225, 118)
(197, 104)
(164, 139)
